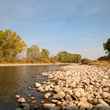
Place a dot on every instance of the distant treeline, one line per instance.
(14, 49)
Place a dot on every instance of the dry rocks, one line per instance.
(77, 87)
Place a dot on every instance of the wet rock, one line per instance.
(32, 98)
(45, 73)
(21, 100)
(26, 106)
(17, 96)
(35, 107)
(41, 89)
(49, 105)
(18, 109)
(37, 84)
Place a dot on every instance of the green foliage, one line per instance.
(44, 56)
(44, 53)
(33, 53)
(66, 57)
(10, 44)
(106, 46)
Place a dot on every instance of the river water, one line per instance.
(17, 80)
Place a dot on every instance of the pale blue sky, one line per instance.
(79, 26)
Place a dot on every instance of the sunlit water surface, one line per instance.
(17, 80)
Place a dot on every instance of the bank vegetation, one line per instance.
(13, 49)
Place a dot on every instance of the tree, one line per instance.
(67, 57)
(44, 53)
(33, 53)
(106, 46)
(10, 44)
(44, 56)
(62, 56)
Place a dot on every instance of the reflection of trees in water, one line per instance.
(7, 83)
(17, 79)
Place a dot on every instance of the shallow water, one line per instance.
(17, 80)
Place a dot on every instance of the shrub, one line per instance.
(86, 61)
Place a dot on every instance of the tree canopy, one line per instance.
(33, 52)
(10, 44)
(44, 53)
(106, 46)
(67, 57)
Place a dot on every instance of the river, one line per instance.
(17, 80)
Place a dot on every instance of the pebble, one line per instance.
(37, 84)
(21, 100)
(49, 105)
(47, 95)
(17, 96)
(83, 86)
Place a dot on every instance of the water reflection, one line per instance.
(16, 80)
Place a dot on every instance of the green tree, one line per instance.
(10, 44)
(33, 53)
(106, 46)
(44, 53)
(62, 56)
(76, 58)
(67, 57)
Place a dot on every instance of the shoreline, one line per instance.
(32, 64)
(77, 87)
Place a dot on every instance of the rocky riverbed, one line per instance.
(73, 87)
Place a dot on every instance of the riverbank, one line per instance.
(75, 87)
(31, 64)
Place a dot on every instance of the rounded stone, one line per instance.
(47, 95)
(21, 100)
(49, 105)
(37, 84)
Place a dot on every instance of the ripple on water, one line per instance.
(17, 80)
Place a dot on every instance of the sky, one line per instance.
(78, 26)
